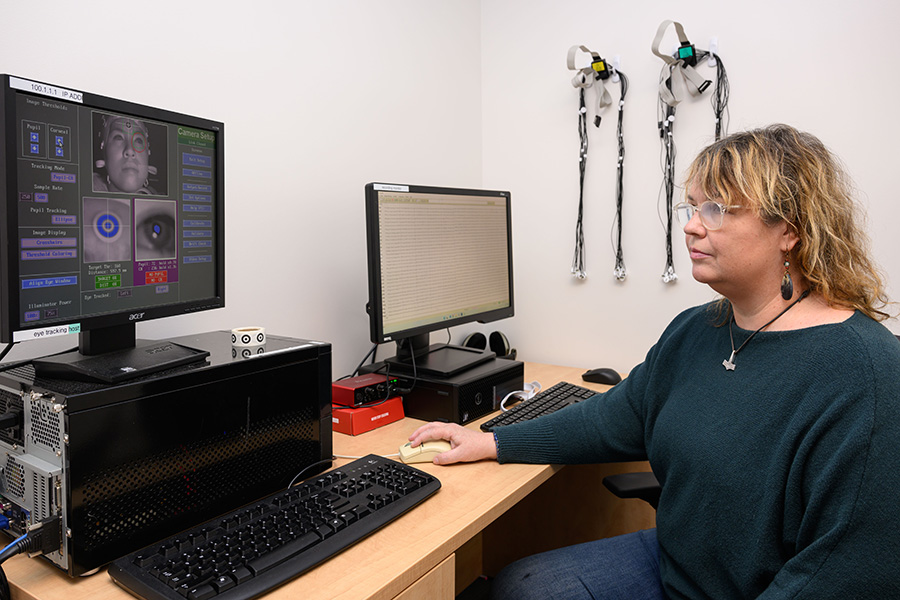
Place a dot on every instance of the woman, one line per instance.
(771, 417)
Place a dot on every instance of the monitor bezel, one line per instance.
(9, 268)
(376, 300)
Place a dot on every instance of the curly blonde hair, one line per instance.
(787, 175)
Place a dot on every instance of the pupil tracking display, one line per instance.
(115, 214)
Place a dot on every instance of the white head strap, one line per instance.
(681, 74)
(586, 76)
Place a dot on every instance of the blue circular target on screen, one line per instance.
(108, 225)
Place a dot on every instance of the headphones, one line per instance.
(497, 342)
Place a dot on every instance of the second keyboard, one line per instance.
(548, 401)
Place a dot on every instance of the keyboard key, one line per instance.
(324, 531)
(222, 583)
(202, 592)
(241, 574)
(144, 560)
(276, 557)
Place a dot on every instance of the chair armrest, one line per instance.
(643, 485)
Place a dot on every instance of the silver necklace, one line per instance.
(729, 362)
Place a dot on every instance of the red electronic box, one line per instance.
(354, 421)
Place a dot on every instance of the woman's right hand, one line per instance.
(466, 445)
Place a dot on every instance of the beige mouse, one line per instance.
(424, 452)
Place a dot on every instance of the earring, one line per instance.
(787, 284)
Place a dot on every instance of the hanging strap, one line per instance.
(585, 77)
(680, 74)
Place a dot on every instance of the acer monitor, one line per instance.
(437, 257)
(114, 214)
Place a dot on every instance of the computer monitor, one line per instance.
(114, 214)
(438, 257)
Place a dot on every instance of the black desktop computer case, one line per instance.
(128, 464)
(458, 398)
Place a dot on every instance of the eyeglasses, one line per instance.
(712, 213)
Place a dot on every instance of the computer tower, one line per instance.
(458, 398)
(127, 464)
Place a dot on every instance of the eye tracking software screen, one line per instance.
(115, 212)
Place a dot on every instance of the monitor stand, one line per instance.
(441, 360)
(114, 356)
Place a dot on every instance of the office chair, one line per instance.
(642, 485)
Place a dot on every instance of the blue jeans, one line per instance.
(625, 567)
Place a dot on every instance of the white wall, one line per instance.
(319, 98)
(825, 67)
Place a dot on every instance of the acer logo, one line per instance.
(135, 316)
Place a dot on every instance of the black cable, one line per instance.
(578, 266)
(5, 593)
(720, 97)
(620, 140)
(307, 468)
(390, 391)
(359, 366)
(721, 93)
(16, 547)
(44, 537)
(667, 139)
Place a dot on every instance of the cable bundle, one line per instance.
(677, 73)
(43, 537)
(619, 271)
(578, 267)
(586, 77)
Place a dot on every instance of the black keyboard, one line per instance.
(245, 553)
(545, 402)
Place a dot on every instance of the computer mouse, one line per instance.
(424, 452)
(603, 375)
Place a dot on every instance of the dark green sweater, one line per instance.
(780, 479)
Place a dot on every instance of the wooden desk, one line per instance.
(484, 516)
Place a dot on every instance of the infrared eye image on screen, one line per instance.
(155, 233)
(106, 230)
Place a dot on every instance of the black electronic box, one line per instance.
(459, 398)
(125, 465)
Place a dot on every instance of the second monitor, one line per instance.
(437, 257)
